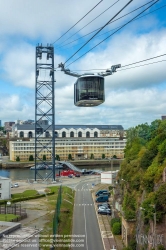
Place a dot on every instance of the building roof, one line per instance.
(3, 178)
(58, 127)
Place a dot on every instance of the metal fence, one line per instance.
(57, 213)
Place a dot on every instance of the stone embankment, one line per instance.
(78, 163)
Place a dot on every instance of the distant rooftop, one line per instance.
(58, 127)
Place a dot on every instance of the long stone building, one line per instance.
(81, 141)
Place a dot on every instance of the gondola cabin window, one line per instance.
(89, 91)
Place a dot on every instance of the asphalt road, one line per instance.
(85, 224)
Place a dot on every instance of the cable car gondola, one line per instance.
(89, 91)
(89, 87)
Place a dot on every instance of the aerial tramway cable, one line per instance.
(110, 35)
(99, 31)
(88, 24)
(62, 45)
(77, 22)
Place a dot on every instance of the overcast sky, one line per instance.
(132, 95)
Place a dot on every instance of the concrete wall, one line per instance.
(5, 188)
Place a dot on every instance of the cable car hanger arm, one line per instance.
(67, 71)
(110, 71)
(106, 73)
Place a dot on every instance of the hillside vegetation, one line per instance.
(140, 177)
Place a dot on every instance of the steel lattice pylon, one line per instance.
(44, 111)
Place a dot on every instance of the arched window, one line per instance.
(95, 134)
(63, 134)
(30, 134)
(56, 134)
(79, 134)
(71, 134)
(47, 134)
(87, 134)
(21, 134)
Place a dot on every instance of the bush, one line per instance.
(31, 158)
(44, 157)
(103, 156)
(69, 157)
(161, 247)
(114, 220)
(17, 158)
(116, 229)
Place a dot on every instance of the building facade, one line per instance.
(79, 141)
(8, 126)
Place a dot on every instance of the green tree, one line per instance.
(114, 156)
(162, 152)
(147, 159)
(92, 156)
(31, 158)
(57, 157)
(69, 157)
(44, 157)
(160, 198)
(103, 156)
(17, 158)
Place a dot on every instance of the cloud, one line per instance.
(132, 96)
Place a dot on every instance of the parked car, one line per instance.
(77, 175)
(103, 210)
(102, 198)
(107, 205)
(70, 176)
(100, 192)
(16, 185)
(105, 193)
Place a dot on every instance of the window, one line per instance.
(87, 134)
(63, 134)
(71, 134)
(0, 195)
(47, 134)
(95, 134)
(79, 134)
(0, 185)
(21, 134)
(30, 134)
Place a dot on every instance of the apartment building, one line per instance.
(81, 141)
(8, 126)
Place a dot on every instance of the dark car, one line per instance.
(102, 198)
(105, 193)
(103, 210)
(99, 192)
(70, 176)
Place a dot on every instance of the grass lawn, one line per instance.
(8, 217)
(26, 193)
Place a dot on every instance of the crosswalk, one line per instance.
(84, 204)
(83, 190)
